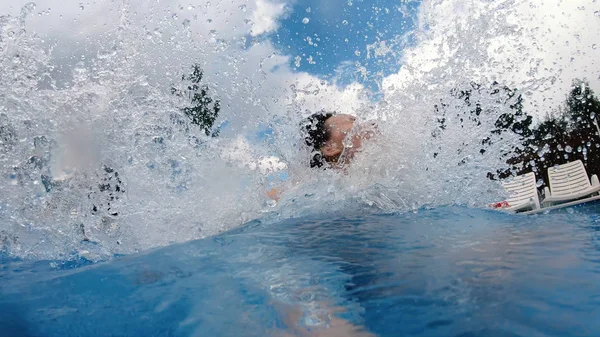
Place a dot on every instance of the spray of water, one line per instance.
(97, 159)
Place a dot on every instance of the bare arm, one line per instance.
(337, 327)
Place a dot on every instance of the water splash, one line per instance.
(96, 158)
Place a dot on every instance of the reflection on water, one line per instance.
(440, 272)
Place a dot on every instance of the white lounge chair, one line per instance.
(569, 182)
(523, 193)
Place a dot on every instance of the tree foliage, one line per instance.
(473, 106)
(570, 135)
(566, 136)
(202, 110)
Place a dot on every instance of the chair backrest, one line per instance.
(568, 179)
(522, 189)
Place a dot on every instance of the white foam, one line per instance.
(72, 105)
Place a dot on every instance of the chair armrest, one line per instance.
(546, 192)
(538, 200)
(595, 181)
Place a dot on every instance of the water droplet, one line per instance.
(594, 46)
(349, 2)
(308, 10)
(207, 5)
(213, 32)
(191, 8)
(345, 22)
(305, 20)
(568, 149)
(357, 53)
(81, 6)
(29, 7)
(597, 14)
(242, 8)
(579, 149)
(11, 34)
(186, 23)
(208, 20)
(539, 183)
(346, 40)
(174, 16)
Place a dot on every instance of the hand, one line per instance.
(274, 193)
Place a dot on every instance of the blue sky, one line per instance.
(335, 33)
(329, 39)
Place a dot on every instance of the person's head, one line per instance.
(334, 138)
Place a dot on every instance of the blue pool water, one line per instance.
(449, 271)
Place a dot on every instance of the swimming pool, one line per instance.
(139, 140)
(448, 271)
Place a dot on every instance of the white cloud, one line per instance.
(166, 37)
(313, 94)
(271, 164)
(223, 19)
(241, 153)
(537, 47)
(265, 16)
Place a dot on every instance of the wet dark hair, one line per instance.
(316, 135)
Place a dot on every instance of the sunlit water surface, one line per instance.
(120, 217)
(450, 271)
